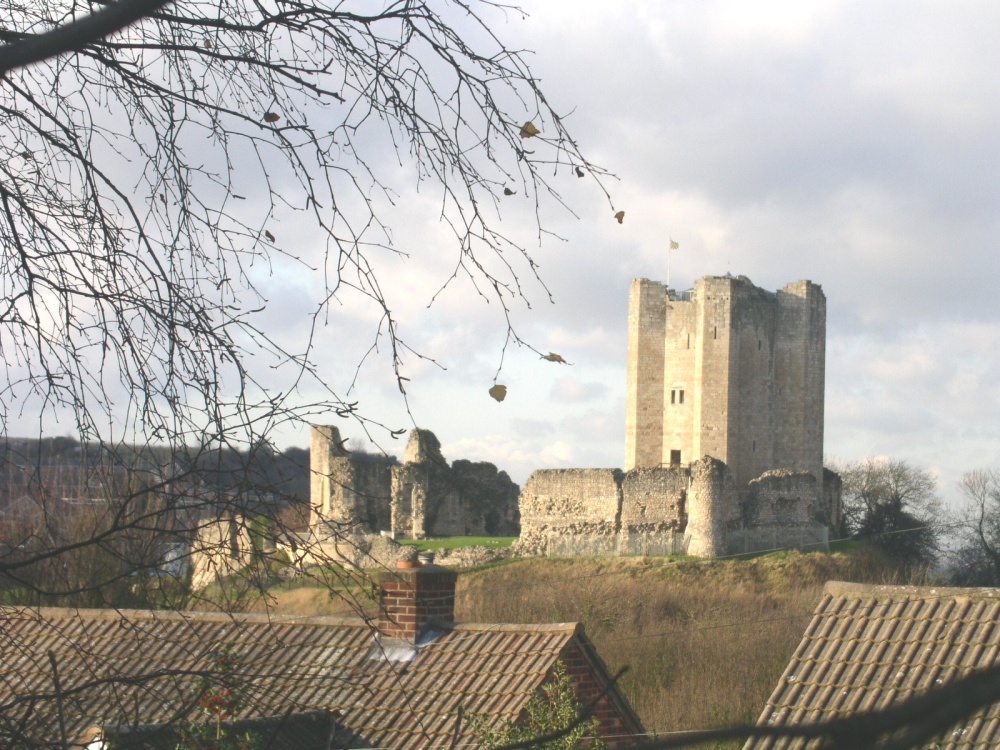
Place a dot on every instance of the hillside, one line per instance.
(705, 641)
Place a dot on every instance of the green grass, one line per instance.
(457, 542)
(845, 545)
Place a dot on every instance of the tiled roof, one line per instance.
(124, 668)
(869, 647)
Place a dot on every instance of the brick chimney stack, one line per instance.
(412, 599)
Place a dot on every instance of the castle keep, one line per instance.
(726, 370)
(724, 432)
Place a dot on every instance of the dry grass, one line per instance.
(705, 642)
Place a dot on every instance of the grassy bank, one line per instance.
(705, 642)
(458, 542)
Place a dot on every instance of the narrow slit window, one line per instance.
(715, 332)
(675, 458)
(680, 397)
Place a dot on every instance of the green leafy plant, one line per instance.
(554, 709)
(221, 696)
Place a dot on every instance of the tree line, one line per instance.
(894, 506)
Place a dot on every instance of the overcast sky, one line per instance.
(856, 144)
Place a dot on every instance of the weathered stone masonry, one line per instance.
(694, 510)
(727, 370)
(724, 432)
(425, 496)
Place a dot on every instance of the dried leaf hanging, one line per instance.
(499, 392)
(270, 237)
(528, 130)
(553, 357)
(271, 117)
(508, 191)
(207, 44)
(620, 216)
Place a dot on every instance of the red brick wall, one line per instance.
(614, 726)
(413, 597)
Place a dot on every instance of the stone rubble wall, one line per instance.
(603, 512)
(354, 549)
(782, 508)
(713, 508)
(221, 548)
(423, 497)
(654, 511)
(695, 510)
(833, 491)
(783, 498)
(570, 512)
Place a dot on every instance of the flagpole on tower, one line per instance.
(672, 246)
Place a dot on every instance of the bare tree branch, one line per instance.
(76, 34)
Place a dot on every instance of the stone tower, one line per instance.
(727, 370)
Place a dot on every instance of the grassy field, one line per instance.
(705, 641)
(457, 542)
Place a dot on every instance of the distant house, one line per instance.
(410, 679)
(871, 647)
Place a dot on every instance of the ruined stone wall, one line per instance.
(220, 548)
(426, 501)
(781, 509)
(783, 498)
(423, 497)
(344, 491)
(712, 508)
(833, 492)
(325, 446)
(696, 510)
(409, 496)
(489, 498)
(371, 493)
(571, 512)
(654, 511)
(567, 512)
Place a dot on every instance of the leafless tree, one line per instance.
(977, 529)
(153, 159)
(145, 168)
